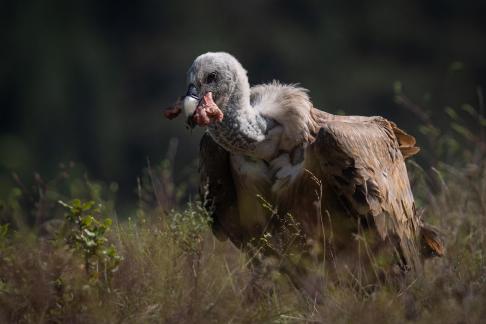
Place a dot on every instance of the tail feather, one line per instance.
(406, 142)
(431, 242)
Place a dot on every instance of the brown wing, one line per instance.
(217, 190)
(363, 162)
(406, 142)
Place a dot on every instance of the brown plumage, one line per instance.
(343, 178)
(360, 164)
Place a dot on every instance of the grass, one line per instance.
(71, 264)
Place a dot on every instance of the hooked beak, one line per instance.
(200, 111)
(189, 104)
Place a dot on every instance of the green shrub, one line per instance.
(85, 233)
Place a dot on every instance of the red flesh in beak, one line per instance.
(173, 111)
(207, 112)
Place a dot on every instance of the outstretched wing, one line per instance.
(363, 160)
(217, 190)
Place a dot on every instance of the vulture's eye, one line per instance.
(212, 77)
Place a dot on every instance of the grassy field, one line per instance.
(68, 260)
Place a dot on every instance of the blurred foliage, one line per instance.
(86, 81)
(34, 203)
(174, 270)
(188, 226)
(461, 139)
(85, 233)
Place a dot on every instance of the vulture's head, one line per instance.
(214, 81)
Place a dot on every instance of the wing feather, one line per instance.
(217, 190)
(364, 162)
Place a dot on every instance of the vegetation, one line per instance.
(72, 260)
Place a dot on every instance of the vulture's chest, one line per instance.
(257, 181)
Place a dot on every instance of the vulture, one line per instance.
(268, 153)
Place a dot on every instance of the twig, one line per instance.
(482, 143)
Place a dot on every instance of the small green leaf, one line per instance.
(451, 112)
(456, 66)
(397, 87)
(89, 233)
(469, 109)
(87, 205)
(466, 133)
(88, 220)
(90, 243)
(63, 204)
(76, 203)
(3, 230)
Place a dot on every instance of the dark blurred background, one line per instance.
(87, 81)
